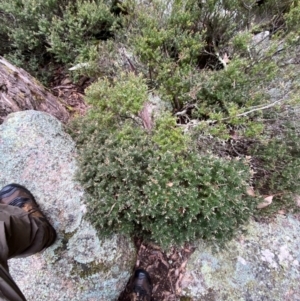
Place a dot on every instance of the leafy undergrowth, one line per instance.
(194, 107)
(136, 187)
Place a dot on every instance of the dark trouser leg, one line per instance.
(21, 235)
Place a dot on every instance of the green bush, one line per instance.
(124, 96)
(181, 46)
(137, 188)
(35, 33)
(168, 136)
(156, 184)
(278, 170)
(81, 24)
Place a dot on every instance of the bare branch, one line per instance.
(194, 123)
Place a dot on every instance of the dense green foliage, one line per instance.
(220, 103)
(279, 161)
(138, 188)
(36, 33)
(126, 94)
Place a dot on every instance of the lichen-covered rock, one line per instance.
(261, 265)
(37, 153)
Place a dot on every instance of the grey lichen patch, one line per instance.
(260, 265)
(97, 290)
(97, 253)
(84, 246)
(210, 296)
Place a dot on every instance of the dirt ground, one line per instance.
(166, 270)
(70, 93)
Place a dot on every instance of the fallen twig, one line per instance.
(63, 87)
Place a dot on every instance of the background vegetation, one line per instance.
(223, 81)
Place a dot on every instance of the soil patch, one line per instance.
(72, 94)
(166, 270)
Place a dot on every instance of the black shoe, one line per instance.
(142, 286)
(18, 196)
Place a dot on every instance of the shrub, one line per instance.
(278, 160)
(168, 136)
(83, 22)
(35, 33)
(181, 46)
(124, 96)
(137, 188)
(157, 184)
